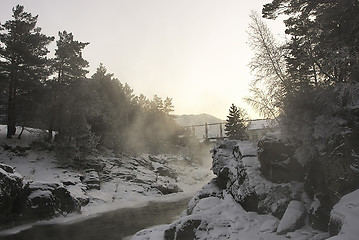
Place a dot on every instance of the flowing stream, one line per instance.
(118, 224)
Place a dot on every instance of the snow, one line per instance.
(293, 216)
(220, 219)
(346, 211)
(269, 226)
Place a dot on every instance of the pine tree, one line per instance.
(24, 65)
(69, 67)
(235, 126)
(168, 106)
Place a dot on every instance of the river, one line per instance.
(118, 224)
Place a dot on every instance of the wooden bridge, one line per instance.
(252, 130)
(206, 136)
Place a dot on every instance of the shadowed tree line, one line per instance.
(80, 113)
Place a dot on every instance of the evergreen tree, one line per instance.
(324, 39)
(69, 67)
(24, 65)
(114, 108)
(235, 126)
(168, 106)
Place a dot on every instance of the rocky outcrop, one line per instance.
(21, 202)
(243, 179)
(45, 200)
(333, 173)
(167, 188)
(278, 163)
(241, 202)
(10, 189)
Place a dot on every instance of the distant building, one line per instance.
(259, 127)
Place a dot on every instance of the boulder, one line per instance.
(167, 188)
(269, 226)
(293, 218)
(40, 200)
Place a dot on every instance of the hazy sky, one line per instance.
(193, 51)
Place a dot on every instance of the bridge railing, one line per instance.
(220, 124)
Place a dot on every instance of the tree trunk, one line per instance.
(11, 128)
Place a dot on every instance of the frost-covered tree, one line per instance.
(271, 83)
(324, 39)
(235, 126)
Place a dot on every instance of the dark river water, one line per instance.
(118, 224)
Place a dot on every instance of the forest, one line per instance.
(82, 114)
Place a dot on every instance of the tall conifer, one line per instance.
(235, 126)
(24, 65)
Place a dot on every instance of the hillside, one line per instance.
(196, 119)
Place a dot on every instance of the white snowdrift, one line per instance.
(346, 214)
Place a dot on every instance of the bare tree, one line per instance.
(269, 67)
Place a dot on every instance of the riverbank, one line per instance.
(240, 203)
(121, 181)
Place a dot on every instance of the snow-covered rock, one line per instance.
(270, 225)
(243, 179)
(344, 218)
(40, 200)
(91, 179)
(10, 189)
(293, 218)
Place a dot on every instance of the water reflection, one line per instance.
(118, 224)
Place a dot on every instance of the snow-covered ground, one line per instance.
(126, 181)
